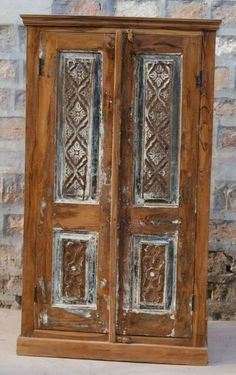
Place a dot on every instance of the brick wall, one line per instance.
(222, 244)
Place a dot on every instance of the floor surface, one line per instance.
(221, 343)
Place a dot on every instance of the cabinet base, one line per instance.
(49, 347)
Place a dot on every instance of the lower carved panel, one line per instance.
(74, 272)
(152, 280)
(153, 272)
(74, 269)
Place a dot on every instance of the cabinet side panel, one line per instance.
(30, 181)
(203, 195)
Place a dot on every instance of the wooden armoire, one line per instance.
(118, 157)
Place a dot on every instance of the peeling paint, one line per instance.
(172, 334)
(156, 220)
(43, 206)
(43, 318)
(103, 283)
(103, 179)
(42, 288)
(77, 326)
(85, 312)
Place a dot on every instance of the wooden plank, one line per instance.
(113, 269)
(104, 250)
(203, 193)
(174, 341)
(187, 186)
(30, 182)
(166, 212)
(112, 351)
(73, 216)
(149, 219)
(102, 30)
(119, 22)
(125, 173)
(55, 334)
(45, 177)
(105, 337)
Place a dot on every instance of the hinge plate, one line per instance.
(199, 79)
(193, 302)
(35, 294)
(40, 66)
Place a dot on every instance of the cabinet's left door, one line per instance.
(70, 182)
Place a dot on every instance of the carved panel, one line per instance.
(79, 88)
(74, 269)
(157, 123)
(74, 262)
(153, 267)
(152, 280)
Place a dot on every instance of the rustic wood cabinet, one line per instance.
(118, 155)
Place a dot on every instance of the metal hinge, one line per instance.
(35, 294)
(199, 79)
(40, 66)
(193, 302)
(41, 63)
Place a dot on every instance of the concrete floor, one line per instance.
(222, 356)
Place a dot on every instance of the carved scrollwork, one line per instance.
(158, 89)
(74, 268)
(78, 124)
(157, 142)
(152, 274)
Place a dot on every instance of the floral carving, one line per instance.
(152, 274)
(74, 269)
(156, 129)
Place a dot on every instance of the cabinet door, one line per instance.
(72, 157)
(160, 113)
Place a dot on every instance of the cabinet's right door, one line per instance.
(160, 114)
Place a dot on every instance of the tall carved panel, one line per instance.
(153, 272)
(79, 90)
(74, 269)
(157, 128)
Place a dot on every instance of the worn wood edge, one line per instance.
(114, 187)
(105, 21)
(69, 335)
(31, 346)
(155, 340)
(203, 193)
(27, 317)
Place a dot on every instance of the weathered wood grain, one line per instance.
(203, 191)
(112, 351)
(30, 218)
(120, 22)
